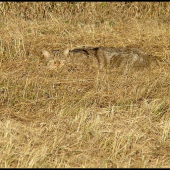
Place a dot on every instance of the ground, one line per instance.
(76, 116)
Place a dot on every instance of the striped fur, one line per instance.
(101, 57)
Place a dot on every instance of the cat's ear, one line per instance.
(66, 51)
(46, 54)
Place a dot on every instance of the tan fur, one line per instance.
(101, 57)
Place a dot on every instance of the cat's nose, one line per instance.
(57, 64)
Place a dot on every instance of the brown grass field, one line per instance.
(78, 117)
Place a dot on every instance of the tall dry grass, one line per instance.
(77, 116)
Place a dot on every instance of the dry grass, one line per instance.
(79, 117)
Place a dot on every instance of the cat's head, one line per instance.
(55, 59)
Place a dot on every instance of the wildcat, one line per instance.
(101, 57)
